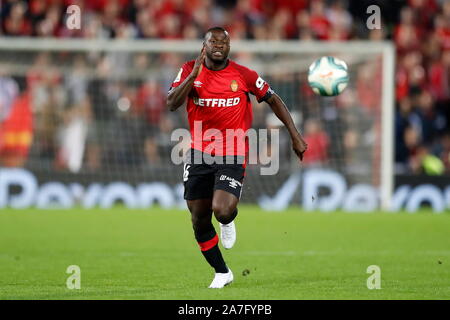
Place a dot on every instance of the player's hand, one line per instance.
(300, 146)
(199, 63)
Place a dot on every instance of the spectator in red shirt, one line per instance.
(318, 20)
(425, 10)
(439, 77)
(368, 86)
(16, 23)
(406, 34)
(318, 143)
(16, 132)
(442, 30)
(151, 101)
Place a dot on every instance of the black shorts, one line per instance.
(202, 179)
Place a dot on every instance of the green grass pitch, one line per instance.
(151, 254)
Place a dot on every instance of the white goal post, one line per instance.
(303, 50)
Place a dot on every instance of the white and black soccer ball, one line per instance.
(328, 76)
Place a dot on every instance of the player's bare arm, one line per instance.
(177, 96)
(279, 108)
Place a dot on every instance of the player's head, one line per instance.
(217, 44)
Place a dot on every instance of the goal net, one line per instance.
(85, 123)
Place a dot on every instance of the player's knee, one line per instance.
(223, 212)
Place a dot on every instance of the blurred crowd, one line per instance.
(136, 107)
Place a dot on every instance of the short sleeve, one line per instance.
(257, 85)
(183, 73)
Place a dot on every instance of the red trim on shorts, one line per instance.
(205, 246)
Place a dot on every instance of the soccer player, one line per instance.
(217, 92)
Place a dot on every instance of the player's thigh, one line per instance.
(228, 187)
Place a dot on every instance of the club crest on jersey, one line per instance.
(234, 86)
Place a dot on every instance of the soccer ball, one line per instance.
(328, 76)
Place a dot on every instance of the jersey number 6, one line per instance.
(259, 83)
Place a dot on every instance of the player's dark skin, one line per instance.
(216, 47)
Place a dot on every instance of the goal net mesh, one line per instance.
(99, 116)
